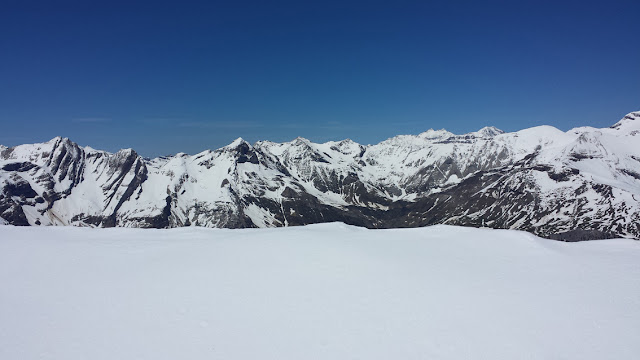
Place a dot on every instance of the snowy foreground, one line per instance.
(326, 291)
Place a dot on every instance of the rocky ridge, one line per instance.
(574, 185)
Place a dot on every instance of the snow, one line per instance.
(436, 134)
(237, 142)
(487, 131)
(328, 291)
(629, 123)
(405, 167)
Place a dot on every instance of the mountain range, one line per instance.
(575, 185)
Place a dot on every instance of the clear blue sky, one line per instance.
(169, 76)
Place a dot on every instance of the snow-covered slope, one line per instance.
(327, 291)
(539, 179)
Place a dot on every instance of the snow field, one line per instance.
(328, 291)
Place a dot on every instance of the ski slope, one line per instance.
(327, 291)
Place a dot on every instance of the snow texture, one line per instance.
(327, 291)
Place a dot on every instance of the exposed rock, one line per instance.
(568, 186)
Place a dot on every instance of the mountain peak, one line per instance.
(237, 142)
(436, 134)
(59, 139)
(629, 122)
(300, 141)
(487, 131)
(126, 153)
(476, 179)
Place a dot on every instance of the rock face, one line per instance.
(575, 185)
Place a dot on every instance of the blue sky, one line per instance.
(170, 76)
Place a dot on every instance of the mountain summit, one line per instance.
(583, 183)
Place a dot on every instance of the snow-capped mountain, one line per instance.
(583, 183)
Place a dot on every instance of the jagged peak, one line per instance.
(60, 140)
(301, 140)
(126, 152)
(58, 143)
(56, 139)
(237, 142)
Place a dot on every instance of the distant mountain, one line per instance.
(579, 184)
